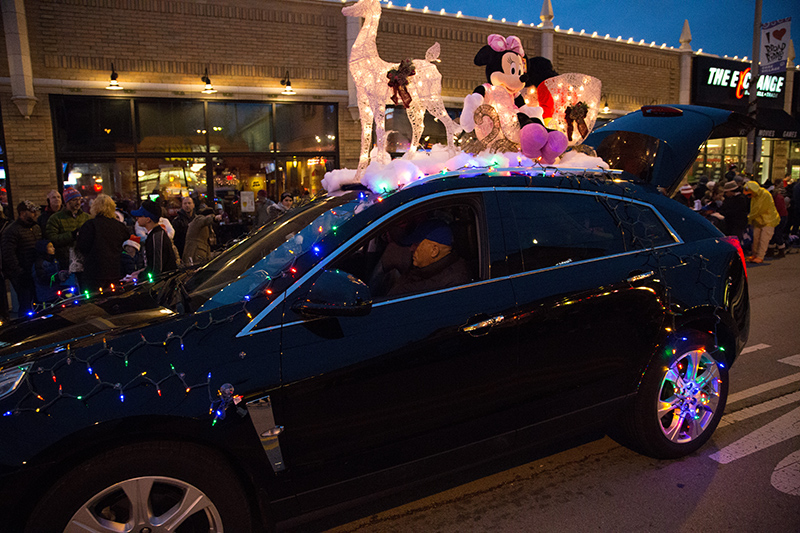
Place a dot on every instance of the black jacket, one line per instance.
(158, 253)
(19, 249)
(100, 240)
(181, 225)
(735, 210)
(449, 271)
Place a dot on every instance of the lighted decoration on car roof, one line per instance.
(417, 165)
(418, 85)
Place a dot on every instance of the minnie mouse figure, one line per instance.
(513, 125)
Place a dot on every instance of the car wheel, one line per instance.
(681, 399)
(147, 487)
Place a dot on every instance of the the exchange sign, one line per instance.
(725, 83)
(775, 37)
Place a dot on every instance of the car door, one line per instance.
(416, 375)
(589, 299)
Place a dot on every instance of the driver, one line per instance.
(435, 265)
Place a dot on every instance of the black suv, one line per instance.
(290, 372)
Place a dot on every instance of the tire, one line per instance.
(680, 401)
(146, 487)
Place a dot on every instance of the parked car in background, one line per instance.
(289, 374)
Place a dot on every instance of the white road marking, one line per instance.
(764, 387)
(759, 409)
(786, 476)
(782, 428)
(793, 360)
(755, 348)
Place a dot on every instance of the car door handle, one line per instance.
(482, 327)
(638, 276)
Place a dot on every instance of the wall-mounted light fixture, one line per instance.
(114, 85)
(209, 89)
(606, 109)
(287, 85)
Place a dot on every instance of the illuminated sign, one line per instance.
(766, 87)
(725, 83)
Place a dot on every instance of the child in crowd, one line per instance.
(48, 277)
(132, 259)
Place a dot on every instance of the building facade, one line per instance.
(161, 134)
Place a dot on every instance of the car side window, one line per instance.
(385, 259)
(641, 227)
(561, 228)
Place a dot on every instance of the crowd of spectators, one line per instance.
(71, 244)
(764, 217)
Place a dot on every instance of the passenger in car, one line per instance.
(435, 264)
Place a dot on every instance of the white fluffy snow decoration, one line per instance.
(411, 167)
(573, 159)
(398, 173)
(334, 179)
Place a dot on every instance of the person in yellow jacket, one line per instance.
(764, 218)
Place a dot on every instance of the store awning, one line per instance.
(776, 124)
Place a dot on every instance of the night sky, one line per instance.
(721, 27)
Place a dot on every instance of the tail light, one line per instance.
(736, 244)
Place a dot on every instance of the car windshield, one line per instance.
(271, 252)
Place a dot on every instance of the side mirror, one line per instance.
(335, 293)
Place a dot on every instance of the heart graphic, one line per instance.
(778, 34)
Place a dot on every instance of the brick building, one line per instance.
(160, 133)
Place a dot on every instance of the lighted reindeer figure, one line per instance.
(369, 74)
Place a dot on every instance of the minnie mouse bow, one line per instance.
(501, 44)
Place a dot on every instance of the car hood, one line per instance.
(78, 319)
(659, 144)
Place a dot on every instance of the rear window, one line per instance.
(631, 152)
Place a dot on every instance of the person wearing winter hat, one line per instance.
(434, 262)
(685, 196)
(131, 258)
(159, 255)
(48, 277)
(62, 227)
(764, 218)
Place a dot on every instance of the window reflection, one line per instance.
(115, 178)
(399, 130)
(171, 126)
(171, 177)
(305, 127)
(240, 127)
(93, 124)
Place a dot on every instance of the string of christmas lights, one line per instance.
(90, 361)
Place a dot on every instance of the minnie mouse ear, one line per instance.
(484, 56)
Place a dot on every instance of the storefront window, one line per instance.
(240, 127)
(170, 126)
(171, 177)
(5, 202)
(794, 160)
(399, 128)
(211, 150)
(763, 174)
(93, 124)
(305, 127)
(115, 178)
